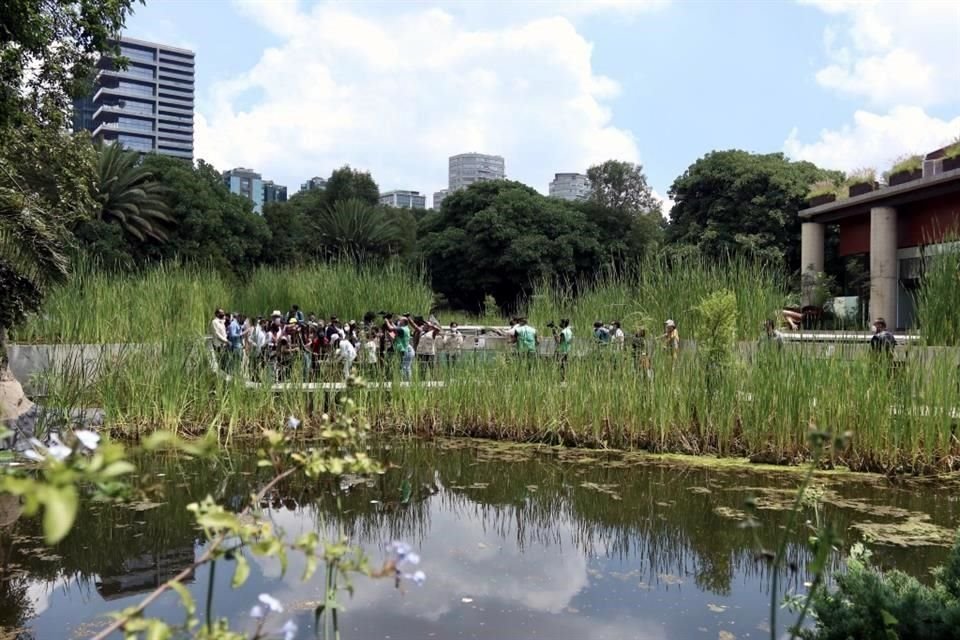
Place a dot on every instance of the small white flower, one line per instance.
(30, 454)
(89, 439)
(272, 603)
(292, 423)
(399, 549)
(59, 452)
(256, 612)
(417, 577)
(289, 630)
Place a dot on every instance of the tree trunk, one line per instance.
(13, 401)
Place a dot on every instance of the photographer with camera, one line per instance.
(564, 340)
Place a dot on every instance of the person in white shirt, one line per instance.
(619, 338)
(371, 350)
(427, 349)
(218, 337)
(347, 353)
(452, 343)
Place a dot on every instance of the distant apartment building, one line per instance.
(570, 186)
(404, 199)
(247, 183)
(313, 184)
(439, 197)
(273, 192)
(467, 168)
(148, 106)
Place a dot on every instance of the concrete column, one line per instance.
(883, 265)
(811, 257)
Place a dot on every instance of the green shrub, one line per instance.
(906, 163)
(858, 176)
(822, 188)
(938, 298)
(869, 603)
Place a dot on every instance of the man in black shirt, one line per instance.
(882, 341)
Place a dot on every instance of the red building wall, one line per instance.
(926, 222)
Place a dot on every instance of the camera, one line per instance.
(551, 325)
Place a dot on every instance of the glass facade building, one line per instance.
(467, 168)
(570, 186)
(148, 106)
(246, 183)
(404, 199)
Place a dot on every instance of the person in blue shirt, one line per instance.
(235, 338)
(601, 333)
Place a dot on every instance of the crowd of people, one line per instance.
(276, 344)
(273, 347)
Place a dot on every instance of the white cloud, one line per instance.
(874, 140)
(893, 52)
(398, 94)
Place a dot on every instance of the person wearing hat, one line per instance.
(671, 338)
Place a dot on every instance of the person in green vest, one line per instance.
(402, 346)
(526, 337)
(564, 340)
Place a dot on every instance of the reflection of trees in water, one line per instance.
(599, 505)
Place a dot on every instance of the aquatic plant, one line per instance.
(870, 603)
(231, 535)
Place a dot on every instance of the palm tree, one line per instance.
(353, 228)
(32, 257)
(129, 195)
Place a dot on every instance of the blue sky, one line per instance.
(296, 89)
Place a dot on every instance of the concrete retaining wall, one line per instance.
(29, 362)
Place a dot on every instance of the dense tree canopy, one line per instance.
(211, 225)
(621, 186)
(730, 202)
(58, 41)
(346, 183)
(502, 237)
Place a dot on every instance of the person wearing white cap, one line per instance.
(671, 338)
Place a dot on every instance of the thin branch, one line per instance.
(183, 575)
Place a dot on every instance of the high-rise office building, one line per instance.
(315, 183)
(404, 199)
(148, 106)
(247, 183)
(467, 168)
(273, 192)
(439, 197)
(570, 186)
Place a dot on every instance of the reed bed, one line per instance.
(759, 404)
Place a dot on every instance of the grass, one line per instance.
(759, 407)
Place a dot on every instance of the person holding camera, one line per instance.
(564, 340)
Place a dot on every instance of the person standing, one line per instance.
(618, 338)
(526, 339)
(427, 348)
(218, 337)
(452, 343)
(564, 340)
(346, 353)
(671, 339)
(235, 337)
(641, 352)
(601, 334)
(883, 342)
(403, 347)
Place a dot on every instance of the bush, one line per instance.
(869, 603)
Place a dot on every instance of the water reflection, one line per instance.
(562, 545)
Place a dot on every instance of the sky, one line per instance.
(297, 89)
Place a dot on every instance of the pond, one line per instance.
(517, 542)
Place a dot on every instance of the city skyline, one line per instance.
(558, 86)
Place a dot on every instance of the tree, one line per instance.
(129, 195)
(621, 186)
(346, 183)
(46, 184)
(58, 41)
(501, 238)
(624, 236)
(735, 202)
(358, 230)
(212, 225)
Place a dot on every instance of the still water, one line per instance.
(516, 543)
